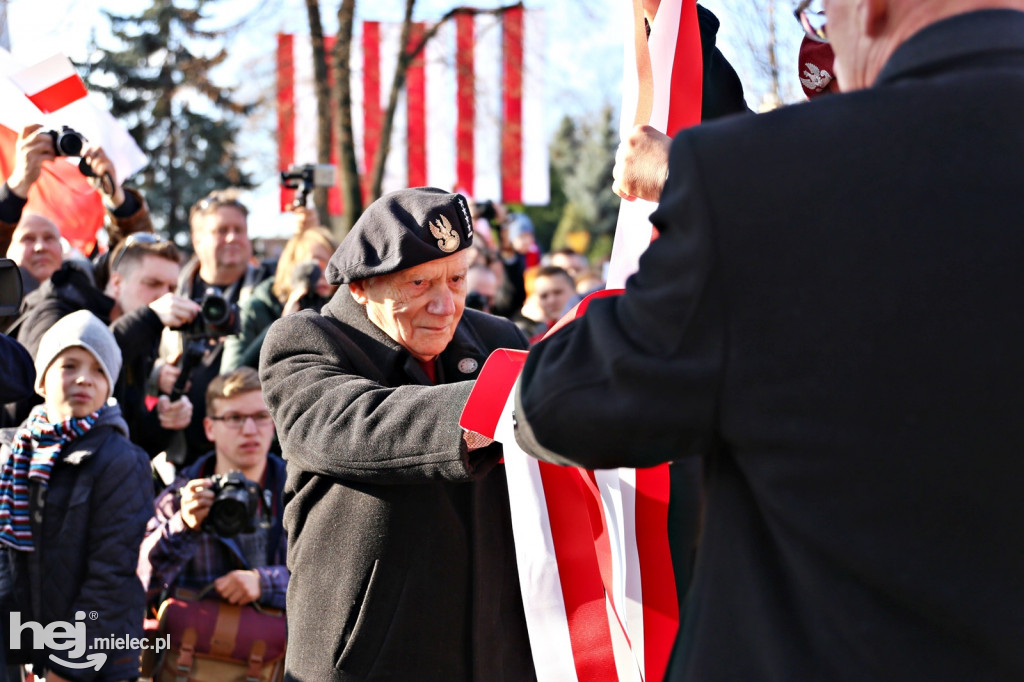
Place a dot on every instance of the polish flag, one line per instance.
(592, 546)
(471, 116)
(52, 84)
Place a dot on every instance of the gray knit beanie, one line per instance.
(83, 329)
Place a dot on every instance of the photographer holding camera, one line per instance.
(181, 548)
(32, 240)
(221, 266)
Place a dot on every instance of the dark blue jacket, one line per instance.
(93, 516)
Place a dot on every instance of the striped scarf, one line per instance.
(35, 449)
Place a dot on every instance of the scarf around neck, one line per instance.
(34, 451)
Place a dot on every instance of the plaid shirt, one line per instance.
(174, 555)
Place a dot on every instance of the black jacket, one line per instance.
(399, 543)
(846, 355)
(94, 514)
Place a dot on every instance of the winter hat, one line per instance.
(83, 329)
(816, 68)
(401, 230)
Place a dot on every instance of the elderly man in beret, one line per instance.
(400, 541)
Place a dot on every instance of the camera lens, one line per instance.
(229, 517)
(215, 310)
(70, 144)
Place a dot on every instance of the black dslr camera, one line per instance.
(306, 178)
(217, 317)
(70, 142)
(11, 288)
(235, 505)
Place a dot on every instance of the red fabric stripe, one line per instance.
(512, 94)
(372, 116)
(579, 574)
(416, 103)
(285, 110)
(59, 95)
(335, 205)
(490, 391)
(658, 585)
(466, 94)
(599, 526)
(687, 72)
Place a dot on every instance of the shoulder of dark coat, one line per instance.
(494, 329)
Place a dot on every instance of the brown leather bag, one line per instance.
(214, 641)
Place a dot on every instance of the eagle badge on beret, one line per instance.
(447, 237)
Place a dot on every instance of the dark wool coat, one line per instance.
(94, 515)
(845, 351)
(399, 545)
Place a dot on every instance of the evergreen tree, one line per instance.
(582, 158)
(159, 85)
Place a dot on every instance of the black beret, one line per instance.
(401, 230)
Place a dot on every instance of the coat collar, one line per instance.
(958, 39)
(85, 447)
(460, 361)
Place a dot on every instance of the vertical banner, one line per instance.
(471, 116)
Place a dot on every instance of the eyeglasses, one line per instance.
(811, 16)
(133, 239)
(236, 421)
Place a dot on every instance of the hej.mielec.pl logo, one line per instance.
(60, 636)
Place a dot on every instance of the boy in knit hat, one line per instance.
(75, 495)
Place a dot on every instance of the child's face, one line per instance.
(74, 385)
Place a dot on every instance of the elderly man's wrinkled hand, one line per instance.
(239, 587)
(641, 164)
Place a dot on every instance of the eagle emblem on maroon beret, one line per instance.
(447, 237)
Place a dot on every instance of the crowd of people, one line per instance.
(834, 378)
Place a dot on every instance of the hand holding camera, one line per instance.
(224, 504)
(34, 146)
(196, 500)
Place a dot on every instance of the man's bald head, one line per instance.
(865, 33)
(35, 246)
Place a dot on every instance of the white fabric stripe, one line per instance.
(356, 65)
(305, 100)
(42, 75)
(662, 46)
(543, 603)
(625, 669)
(487, 128)
(442, 115)
(396, 174)
(618, 497)
(633, 230)
(535, 182)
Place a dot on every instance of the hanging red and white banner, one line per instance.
(465, 119)
(592, 547)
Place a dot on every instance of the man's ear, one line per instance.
(114, 285)
(208, 428)
(358, 291)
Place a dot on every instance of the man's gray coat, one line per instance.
(399, 543)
